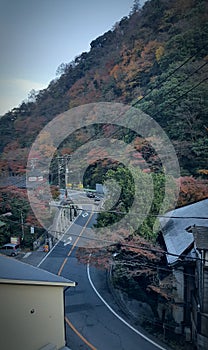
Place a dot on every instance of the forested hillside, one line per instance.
(155, 59)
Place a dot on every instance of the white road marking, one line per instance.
(50, 251)
(119, 317)
(60, 239)
(68, 241)
(26, 255)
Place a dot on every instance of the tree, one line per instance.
(135, 7)
(61, 69)
(191, 190)
(15, 200)
(148, 193)
(135, 267)
(32, 95)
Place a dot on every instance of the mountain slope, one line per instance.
(155, 59)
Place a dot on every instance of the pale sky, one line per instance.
(38, 35)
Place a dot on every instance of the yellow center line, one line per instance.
(79, 334)
(59, 273)
(74, 245)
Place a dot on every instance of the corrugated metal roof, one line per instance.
(14, 271)
(175, 235)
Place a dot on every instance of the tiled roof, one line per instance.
(174, 230)
(201, 237)
(16, 272)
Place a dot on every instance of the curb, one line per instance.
(117, 295)
(137, 321)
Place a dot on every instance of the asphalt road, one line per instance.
(93, 319)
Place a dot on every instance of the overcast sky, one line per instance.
(38, 35)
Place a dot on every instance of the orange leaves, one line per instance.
(97, 153)
(29, 125)
(191, 190)
(158, 291)
(45, 145)
(115, 71)
(203, 171)
(139, 143)
(54, 192)
(66, 150)
(14, 158)
(77, 88)
(85, 90)
(159, 53)
(142, 248)
(151, 50)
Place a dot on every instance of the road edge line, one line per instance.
(119, 317)
(50, 251)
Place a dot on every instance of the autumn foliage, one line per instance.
(191, 190)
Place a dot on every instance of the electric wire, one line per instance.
(111, 242)
(169, 75)
(181, 96)
(169, 104)
(158, 85)
(137, 102)
(185, 79)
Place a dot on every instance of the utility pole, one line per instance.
(66, 176)
(63, 163)
(22, 225)
(59, 172)
(60, 169)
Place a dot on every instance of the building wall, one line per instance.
(178, 293)
(179, 285)
(31, 317)
(205, 290)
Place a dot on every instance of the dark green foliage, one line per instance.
(126, 182)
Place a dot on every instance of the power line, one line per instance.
(110, 242)
(165, 216)
(192, 88)
(168, 76)
(185, 79)
(181, 96)
(170, 103)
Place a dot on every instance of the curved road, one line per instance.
(93, 319)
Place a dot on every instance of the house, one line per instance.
(32, 307)
(186, 244)
(199, 312)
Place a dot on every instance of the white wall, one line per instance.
(31, 317)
